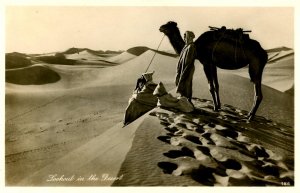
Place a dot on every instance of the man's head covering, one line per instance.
(148, 76)
(190, 34)
(160, 90)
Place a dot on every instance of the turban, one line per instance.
(148, 76)
(190, 34)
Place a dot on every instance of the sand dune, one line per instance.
(45, 54)
(279, 71)
(121, 58)
(274, 56)
(86, 161)
(128, 72)
(124, 74)
(188, 157)
(41, 127)
(84, 55)
(87, 57)
(16, 60)
(74, 50)
(32, 75)
(239, 92)
(138, 50)
(135, 51)
(210, 149)
(84, 127)
(45, 122)
(78, 118)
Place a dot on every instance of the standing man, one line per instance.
(185, 67)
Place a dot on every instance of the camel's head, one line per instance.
(168, 28)
(171, 30)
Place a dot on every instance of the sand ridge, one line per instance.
(214, 149)
(278, 72)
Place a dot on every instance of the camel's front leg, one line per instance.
(257, 100)
(213, 86)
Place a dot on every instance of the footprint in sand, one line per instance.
(180, 153)
(214, 150)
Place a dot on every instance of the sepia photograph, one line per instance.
(139, 96)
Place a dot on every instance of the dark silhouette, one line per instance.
(140, 83)
(226, 49)
(186, 67)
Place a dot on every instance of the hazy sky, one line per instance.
(32, 29)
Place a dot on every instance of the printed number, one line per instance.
(285, 183)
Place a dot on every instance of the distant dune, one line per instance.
(73, 50)
(121, 58)
(279, 55)
(291, 91)
(137, 50)
(16, 60)
(142, 49)
(77, 50)
(129, 69)
(56, 59)
(278, 72)
(33, 75)
(83, 55)
(128, 72)
(278, 49)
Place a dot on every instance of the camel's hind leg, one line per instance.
(257, 58)
(255, 72)
(256, 101)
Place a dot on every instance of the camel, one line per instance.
(226, 49)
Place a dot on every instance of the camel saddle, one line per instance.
(235, 35)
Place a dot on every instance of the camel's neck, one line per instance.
(176, 41)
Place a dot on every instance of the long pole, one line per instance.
(155, 53)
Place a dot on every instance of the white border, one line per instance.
(211, 3)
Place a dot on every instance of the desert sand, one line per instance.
(68, 131)
(209, 148)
